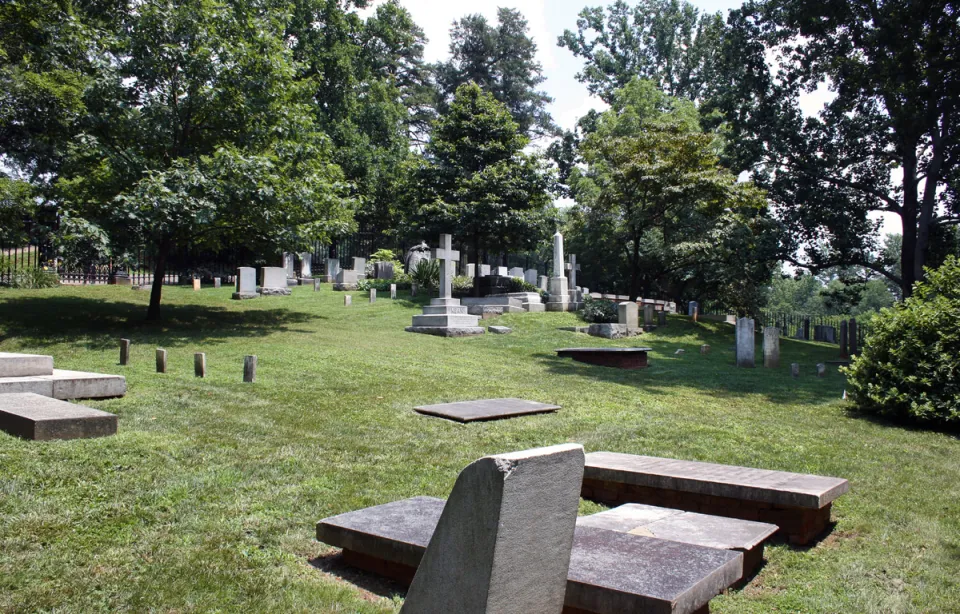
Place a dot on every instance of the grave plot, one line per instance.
(799, 504)
(486, 409)
(40, 418)
(744, 536)
(33, 373)
(619, 358)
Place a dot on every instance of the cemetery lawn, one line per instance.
(208, 497)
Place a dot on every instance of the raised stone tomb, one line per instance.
(21, 365)
(620, 358)
(799, 504)
(610, 572)
(37, 375)
(486, 409)
(744, 536)
(40, 418)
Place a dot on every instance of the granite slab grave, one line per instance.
(746, 536)
(56, 383)
(610, 572)
(799, 504)
(486, 409)
(274, 281)
(619, 358)
(40, 418)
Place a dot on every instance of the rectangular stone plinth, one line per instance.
(40, 418)
(799, 504)
(619, 358)
(451, 320)
(609, 573)
(706, 530)
(25, 365)
(447, 331)
(486, 409)
(63, 384)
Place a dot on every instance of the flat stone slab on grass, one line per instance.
(64, 384)
(744, 536)
(37, 417)
(620, 358)
(610, 572)
(486, 409)
(25, 365)
(797, 503)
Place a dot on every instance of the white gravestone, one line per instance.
(306, 265)
(516, 272)
(333, 269)
(771, 347)
(530, 276)
(471, 270)
(745, 342)
(501, 271)
(484, 270)
(246, 283)
(274, 281)
(557, 287)
(288, 265)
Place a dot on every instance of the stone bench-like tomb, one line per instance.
(620, 358)
(611, 572)
(40, 418)
(797, 503)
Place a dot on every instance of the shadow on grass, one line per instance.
(335, 565)
(58, 319)
(904, 424)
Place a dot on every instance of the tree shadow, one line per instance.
(98, 323)
(950, 430)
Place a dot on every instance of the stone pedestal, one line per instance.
(559, 294)
(446, 317)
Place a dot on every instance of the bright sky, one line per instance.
(547, 20)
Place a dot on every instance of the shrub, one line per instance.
(427, 274)
(462, 285)
(29, 278)
(910, 364)
(402, 281)
(599, 311)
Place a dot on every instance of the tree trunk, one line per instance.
(635, 270)
(908, 217)
(925, 219)
(153, 311)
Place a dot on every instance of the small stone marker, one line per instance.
(745, 343)
(795, 369)
(40, 418)
(413, 290)
(692, 307)
(347, 300)
(124, 352)
(316, 284)
(500, 330)
(161, 361)
(628, 313)
(504, 539)
(771, 347)
(704, 349)
(373, 295)
(821, 369)
(196, 283)
(485, 409)
(216, 282)
(393, 291)
(249, 369)
(200, 364)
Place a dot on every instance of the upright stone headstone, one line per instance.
(306, 265)
(501, 271)
(124, 352)
(854, 341)
(373, 295)
(530, 276)
(316, 284)
(216, 282)
(692, 308)
(347, 300)
(661, 318)
(274, 281)
(484, 270)
(196, 284)
(829, 334)
(806, 329)
(415, 255)
(771, 347)
(200, 364)
(445, 316)
(360, 267)
(413, 289)
(161, 361)
(383, 270)
(557, 288)
(628, 313)
(542, 282)
(471, 270)
(249, 369)
(844, 340)
(745, 343)
(821, 369)
(288, 266)
(648, 315)
(393, 291)
(333, 269)
(503, 542)
(246, 283)
(516, 272)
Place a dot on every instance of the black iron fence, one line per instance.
(828, 329)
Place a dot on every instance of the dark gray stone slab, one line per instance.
(619, 572)
(775, 487)
(25, 365)
(486, 409)
(37, 417)
(609, 573)
(680, 526)
(607, 350)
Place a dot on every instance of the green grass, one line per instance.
(207, 498)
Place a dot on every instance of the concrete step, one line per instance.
(25, 365)
(63, 384)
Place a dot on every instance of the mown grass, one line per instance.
(207, 498)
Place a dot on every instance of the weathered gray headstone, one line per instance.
(821, 369)
(333, 269)
(558, 287)
(161, 361)
(316, 284)
(306, 265)
(503, 542)
(771, 347)
(661, 318)
(373, 295)
(288, 266)
(274, 281)
(501, 271)
(484, 270)
(648, 315)
(124, 352)
(795, 369)
(516, 272)
(745, 343)
(216, 282)
(200, 364)
(383, 270)
(249, 369)
(246, 283)
(347, 300)
(542, 282)
(629, 314)
(393, 291)
(360, 267)
(530, 276)
(692, 308)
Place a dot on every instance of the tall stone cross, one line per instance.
(573, 267)
(447, 257)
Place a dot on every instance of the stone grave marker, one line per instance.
(484, 270)
(542, 282)
(503, 541)
(200, 364)
(383, 270)
(648, 316)
(853, 337)
(161, 361)
(745, 342)
(704, 349)
(628, 314)
(347, 300)
(501, 271)
(821, 369)
(373, 295)
(393, 291)
(795, 369)
(246, 283)
(274, 281)
(288, 267)
(196, 284)
(40, 418)
(316, 284)
(471, 271)
(216, 283)
(124, 352)
(445, 316)
(486, 409)
(692, 308)
(530, 276)
(516, 272)
(557, 288)
(661, 318)
(771, 347)
(249, 369)
(333, 269)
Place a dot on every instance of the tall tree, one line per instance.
(501, 59)
(189, 128)
(668, 42)
(478, 183)
(654, 198)
(887, 142)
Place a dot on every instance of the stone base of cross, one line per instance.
(448, 258)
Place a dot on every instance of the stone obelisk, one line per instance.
(557, 286)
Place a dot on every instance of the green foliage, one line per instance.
(426, 274)
(462, 285)
(910, 365)
(16, 204)
(515, 284)
(80, 243)
(599, 311)
(28, 277)
(401, 280)
(501, 59)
